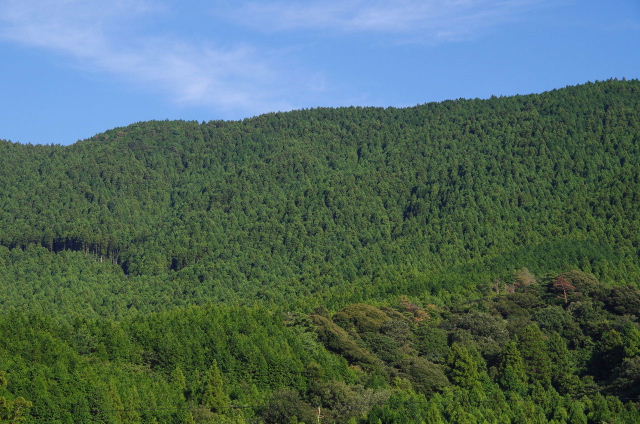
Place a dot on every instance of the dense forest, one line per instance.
(467, 261)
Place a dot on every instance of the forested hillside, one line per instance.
(366, 261)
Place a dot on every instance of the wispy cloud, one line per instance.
(434, 20)
(123, 38)
(98, 36)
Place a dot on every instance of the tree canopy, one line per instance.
(462, 261)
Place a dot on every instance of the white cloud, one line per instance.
(123, 38)
(102, 36)
(433, 20)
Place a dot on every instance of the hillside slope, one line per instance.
(336, 203)
(354, 265)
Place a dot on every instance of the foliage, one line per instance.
(357, 265)
(326, 207)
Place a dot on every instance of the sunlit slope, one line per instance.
(339, 201)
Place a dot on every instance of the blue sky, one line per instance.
(74, 68)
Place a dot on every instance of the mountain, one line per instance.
(304, 229)
(327, 202)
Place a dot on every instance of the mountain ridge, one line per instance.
(222, 122)
(337, 195)
(467, 261)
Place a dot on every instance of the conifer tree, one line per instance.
(215, 396)
(512, 375)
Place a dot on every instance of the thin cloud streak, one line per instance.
(435, 20)
(116, 38)
(96, 36)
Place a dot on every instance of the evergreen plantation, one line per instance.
(467, 261)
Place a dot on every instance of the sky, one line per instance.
(73, 68)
